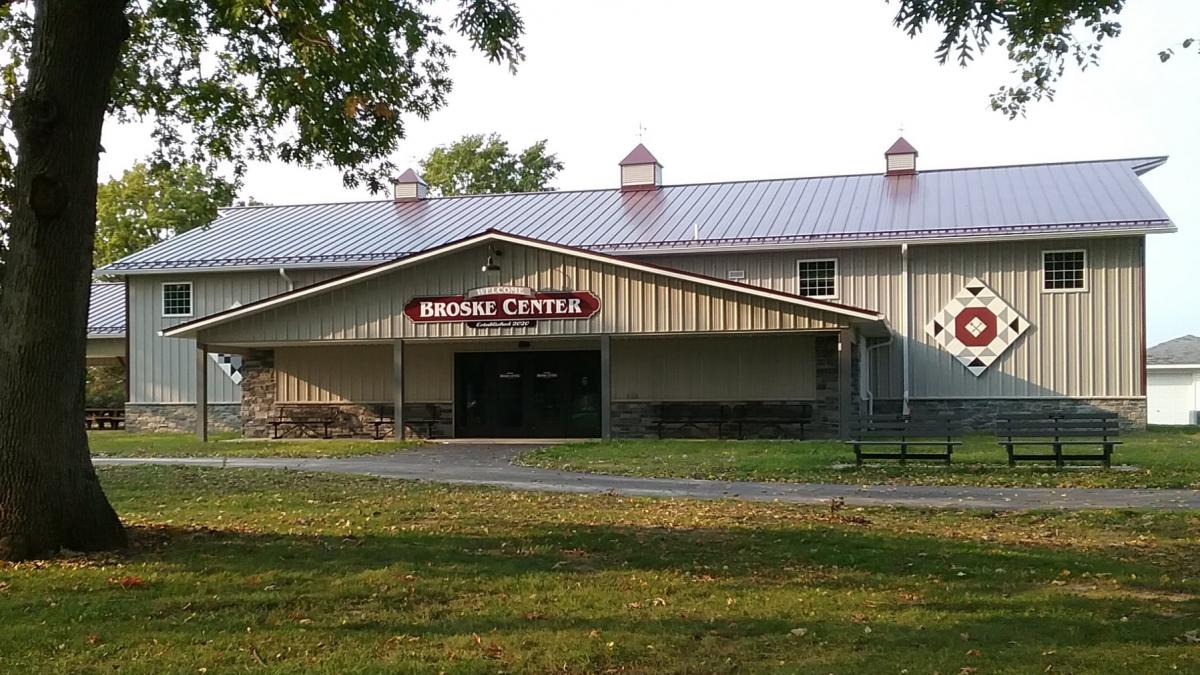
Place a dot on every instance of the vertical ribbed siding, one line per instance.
(1085, 344)
(867, 278)
(334, 374)
(161, 370)
(632, 301)
(1082, 344)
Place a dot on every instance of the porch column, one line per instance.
(845, 400)
(605, 387)
(398, 389)
(202, 392)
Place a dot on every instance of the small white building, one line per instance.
(1173, 381)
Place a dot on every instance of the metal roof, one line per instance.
(1180, 351)
(106, 309)
(1025, 200)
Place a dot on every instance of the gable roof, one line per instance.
(900, 147)
(106, 309)
(1070, 199)
(190, 328)
(1180, 351)
(639, 155)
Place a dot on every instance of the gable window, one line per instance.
(177, 299)
(1064, 270)
(817, 278)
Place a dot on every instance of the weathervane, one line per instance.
(640, 132)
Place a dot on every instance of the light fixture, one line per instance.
(490, 265)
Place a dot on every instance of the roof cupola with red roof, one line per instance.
(901, 158)
(409, 187)
(640, 170)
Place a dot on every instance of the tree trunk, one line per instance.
(49, 495)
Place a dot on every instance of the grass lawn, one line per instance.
(122, 444)
(239, 571)
(1156, 458)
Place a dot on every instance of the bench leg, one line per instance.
(903, 454)
(949, 450)
(1108, 449)
(1058, 460)
(1012, 461)
(858, 455)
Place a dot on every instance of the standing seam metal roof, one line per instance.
(1079, 197)
(106, 309)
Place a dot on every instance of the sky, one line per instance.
(759, 89)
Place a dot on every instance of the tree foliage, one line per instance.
(1042, 38)
(149, 203)
(476, 164)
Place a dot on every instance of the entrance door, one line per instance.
(527, 394)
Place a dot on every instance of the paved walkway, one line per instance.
(491, 464)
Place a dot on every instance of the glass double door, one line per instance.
(527, 394)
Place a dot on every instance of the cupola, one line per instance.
(901, 158)
(640, 170)
(409, 187)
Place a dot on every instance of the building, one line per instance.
(1173, 381)
(971, 291)
(106, 324)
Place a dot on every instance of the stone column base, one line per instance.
(180, 417)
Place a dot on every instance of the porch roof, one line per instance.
(800, 312)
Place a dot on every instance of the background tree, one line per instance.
(147, 204)
(225, 81)
(475, 164)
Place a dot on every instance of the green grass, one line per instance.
(237, 571)
(1156, 458)
(121, 444)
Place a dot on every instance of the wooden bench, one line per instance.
(304, 420)
(903, 433)
(428, 415)
(1097, 430)
(683, 415)
(771, 416)
(104, 418)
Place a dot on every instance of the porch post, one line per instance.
(605, 387)
(202, 392)
(845, 400)
(398, 389)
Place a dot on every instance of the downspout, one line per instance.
(286, 279)
(866, 384)
(906, 311)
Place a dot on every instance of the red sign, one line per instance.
(502, 307)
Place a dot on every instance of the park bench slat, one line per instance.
(902, 433)
(1059, 431)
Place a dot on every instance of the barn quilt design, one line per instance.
(977, 326)
(230, 364)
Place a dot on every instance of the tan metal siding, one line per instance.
(741, 368)
(162, 370)
(867, 277)
(1084, 344)
(632, 302)
(359, 373)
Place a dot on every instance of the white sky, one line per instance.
(759, 89)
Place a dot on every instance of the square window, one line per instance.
(1064, 270)
(816, 278)
(177, 299)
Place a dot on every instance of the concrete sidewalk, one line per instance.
(491, 464)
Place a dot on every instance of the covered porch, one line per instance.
(594, 346)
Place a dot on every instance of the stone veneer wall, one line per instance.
(179, 417)
(981, 413)
(355, 419)
(637, 419)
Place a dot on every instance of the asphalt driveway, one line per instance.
(491, 464)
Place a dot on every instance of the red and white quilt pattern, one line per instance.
(976, 326)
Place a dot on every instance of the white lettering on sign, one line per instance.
(506, 309)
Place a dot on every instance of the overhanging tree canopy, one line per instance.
(221, 81)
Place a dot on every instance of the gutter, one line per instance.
(906, 311)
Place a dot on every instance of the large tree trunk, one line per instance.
(49, 496)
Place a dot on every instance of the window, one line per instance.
(177, 299)
(737, 275)
(1064, 270)
(817, 278)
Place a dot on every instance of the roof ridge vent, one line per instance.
(901, 158)
(409, 187)
(640, 170)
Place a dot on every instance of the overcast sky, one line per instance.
(730, 91)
